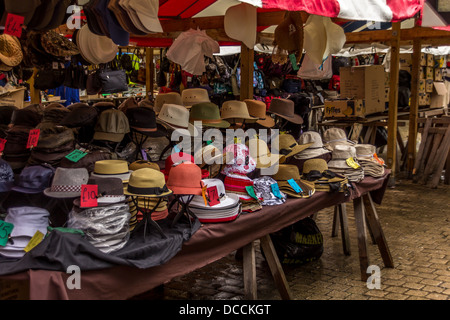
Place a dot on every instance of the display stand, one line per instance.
(147, 212)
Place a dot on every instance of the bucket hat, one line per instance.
(34, 179)
(240, 23)
(261, 153)
(10, 50)
(316, 148)
(288, 146)
(264, 190)
(110, 191)
(6, 176)
(208, 113)
(112, 125)
(167, 98)
(193, 96)
(238, 159)
(185, 178)
(112, 168)
(147, 182)
(67, 183)
(288, 34)
(237, 110)
(143, 120)
(176, 117)
(257, 109)
(344, 162)
(335, 136)
(285, 173)
(285, 109)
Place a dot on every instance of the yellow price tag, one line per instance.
(351, 163)
(237, 140)
(34, 241)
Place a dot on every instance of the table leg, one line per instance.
(275, 268)
(249, 266)
(377, 231)
(362, 240)
(335, 228)
(342, 209)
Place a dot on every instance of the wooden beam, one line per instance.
(393, 101)
(149, 72)
(247, 58)
(35, 94)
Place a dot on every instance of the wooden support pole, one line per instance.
(414, 107)
(247, 58)
(393, 101)
(35, 94)
(250, 287)
(149, 72)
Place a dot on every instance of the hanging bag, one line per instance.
(234, 81)
(113, 80)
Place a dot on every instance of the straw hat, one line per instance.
(193, 96)
(185, 178)
(10, 50)
(147, 182)
(317, 171)
(240, 23)
(261, 153)
(335, 136)
(207, 155)
(67, 182)
(176, 117)
(289, 34)
(258, 109)
(285, 173)
(112, 168)
(208, 113)
(237, 110)
(139, 164)
(285, 108)
(288, 146)
(316, 148)
(167, 98)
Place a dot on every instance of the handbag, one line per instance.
(49, 78)
(112, 79)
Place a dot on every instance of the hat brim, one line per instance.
(298, 148)
(124, 177)
(26, 190)
(294, 119)
(160, 131)
(274, 160)
(311, 153)
(125, 192)
(268, 122)
(190, 128)
(220, 124)
(108, 136)
(185, 190)
(77, 202)
(61, 195)
(230, 201)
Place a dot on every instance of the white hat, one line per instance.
(240, 23)
(176, 117)
(335, 136)
(193, 96)
(315, 150)
(94, 48)
(147, 13)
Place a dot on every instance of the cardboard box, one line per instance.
(438, 75)
(429, 73)
(438, 96)
(13, 98)
(430, 60)
(424, 99)
(422, 86)
(428, 86)
(364, 83)
(423, 60)
(344, 108)
(422, 72)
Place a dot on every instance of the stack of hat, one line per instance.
(26, 221)
(66, 183)
(268, 189)
(336, 136)
(236, 112)
(367, 158)
(105, 225)
(316, 170)
(167, 98)
(290, 182)
(82, 119)
(258, 109)
(176, 158)
(344, 162)
(53, 114)
(6, 176)
(6, 113)
(112, 168)
(11, 54)
(112, 125)
(228, 208)
(209, 115)
(316, 150)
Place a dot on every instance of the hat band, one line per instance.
(144, 191)
(110, 174)
(65, 188)
(145, 129)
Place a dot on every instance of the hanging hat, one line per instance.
(167, 98)
(264, 190)
(59, 13)
(67, 183)
(240, 23)
(147, 13)
(112, 125)
(258, 109)
(185, 178)
(261, 153)
(139, 164)
(289, 34)
(176, 117)
(238, 159)
(147, 182)
(95, 48)
(112, 168)
(237, 110)
(285, 108)
(208, 113)
(42, 16)
(117, 33)
(24, 8)
(193, 96)
(34, 179)
(316, 147)
(335, 136)
(10, 50)
(143, 120)
(288, 146)
(122, 17)
(58, 45)
(285, 173)
(109, 192)
(6, 176)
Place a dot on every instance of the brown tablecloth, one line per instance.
(210, 243)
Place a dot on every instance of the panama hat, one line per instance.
(185, 178)
(208, 113)
(285, 108)
(237, 110)
(261, 153)
(285, 173)
(112, 168)
(335, 136)
(10, 50)
(176, 117)
(258, 109)
(192, 96)
(169, 98)
(147, 182)
(66, 182)
(288, 146)
(288, 34)
(240, 23)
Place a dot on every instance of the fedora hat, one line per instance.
(110, 191)
(185, 178)
(167, 98)
(67, 182)
(261, 153)
(24, 8)
(285, 108)
(192, 96)
(288, 146)
(139, 164)
(147, 182)
(288, 34)
(285, 173)
(112, 168)
(240, 23)
(335, 136)
(143, 120)
(208, 113)
(176, 117)
(34, 179)
(10, 50)
(112, 125)
(257, 109)
(237, 110)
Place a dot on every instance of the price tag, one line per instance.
(379, 160)
(34, 241)
(293, 59)
(251, 192)
(351, 163)
(237, 140)
(2, 144)
(144, 154)
(213, 196)
(294, 185)
(13, 25)
(76, 155)
(5, 230)
(33, 138)
(204, 195)
(276, 190)
(88, 196)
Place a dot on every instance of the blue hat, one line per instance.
(117, 34)
(6, 176)
(34, 179)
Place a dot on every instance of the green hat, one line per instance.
(209, 114)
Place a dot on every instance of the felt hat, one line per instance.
(23, 8)
(143, 120)
(6, 176)
(109, 192)
(335, 136)
(285, 108)
(288, 34)
(208, 113)
(147, 182)
(112, 168)
(261, 153)
(147, 13)
(10, 50)
(66, 183)
(240, 23)
(58, 45)
(112, 125)
(185, 178)
(167, 98)
(257, 109)
(81, 114)
(139, 164)
(42, 16)
(176, 117)
(237, 110)
(34, 179)
(192, 96)
(316, 147)
(285, 173)
(288, 146)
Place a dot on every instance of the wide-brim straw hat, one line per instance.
(316, 149)
(147, 182)
(10, 50)
(240, 23)
(258, 109)
(237, 110)
(288, 146)
(285, 109)
(261, 153)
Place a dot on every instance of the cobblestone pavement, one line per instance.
(415, 220)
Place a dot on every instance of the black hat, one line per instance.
(81, 115)
(143, 120)
(6, 113)
(26, 117)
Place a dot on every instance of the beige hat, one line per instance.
(288, 146)
(240, 23)
(163, 98)
(335, 136)
(147, 13)
(175, 117)
(316, 148)
(193, 96)
(289, 34)
(207, 155)
(95, 48)
(258, 109)
(10, 50)
(260, 152)
(237, 110)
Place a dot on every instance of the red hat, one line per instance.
(185, 178)
(178, 157)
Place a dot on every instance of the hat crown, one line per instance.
(311, 137)
(139, 164)
(70, 176)
(342, 152)
(27, 216)
(174, 114)
(35, 177)
(186, 175)
(176, 158)
(141, 117)
(365, 150)
(205, 111)
(256, 108)
(147, 178)
(169, 98)
(234, 109)
(111, 167)
(286, 172)
(315, 164)
(113, 121)
(194, 95)
(333, 134)
(282, 106)
(107, 186)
